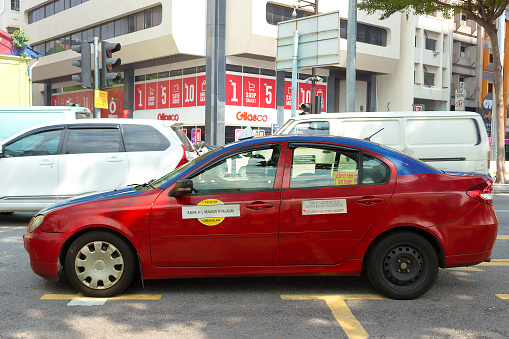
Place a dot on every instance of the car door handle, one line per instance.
(259, 205)
(370, 200)
(114, 159)
(47, 162)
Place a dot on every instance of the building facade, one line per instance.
(167, 71)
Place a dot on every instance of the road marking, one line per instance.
(469, 268)
(501, 211)
(505, 237)
(495, 262)
(120, 297)
(503, 296)
(340, 310)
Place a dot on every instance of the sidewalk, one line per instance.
(500, 188)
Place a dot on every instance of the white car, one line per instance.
(56, 161)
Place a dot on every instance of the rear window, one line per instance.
(93, 140)
(143, 138)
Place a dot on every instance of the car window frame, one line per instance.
(293, 145)
(37, 131)
(92, 126)
(277, 181)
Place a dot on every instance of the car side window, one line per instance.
(241, 172)
(321, 167)
(143, 138)
(374, 171)
(42, 143)
(93, 140)
(311, 128)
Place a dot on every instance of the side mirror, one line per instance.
(182, 187)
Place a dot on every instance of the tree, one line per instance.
(483, 12)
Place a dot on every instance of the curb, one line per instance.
(501, 188)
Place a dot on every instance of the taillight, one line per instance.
(482, 192)
(184, 159)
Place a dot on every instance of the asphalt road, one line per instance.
(464, 303)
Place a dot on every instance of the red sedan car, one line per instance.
(307, 205)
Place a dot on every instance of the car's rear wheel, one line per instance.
(221, 172)
(100, 264)
(402, 265)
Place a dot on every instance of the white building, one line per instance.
(9, 15)
(164, 60)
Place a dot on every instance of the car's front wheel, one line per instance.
(100, 264)
(402, 265)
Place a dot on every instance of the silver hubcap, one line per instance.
(99, 265)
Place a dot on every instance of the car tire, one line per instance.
(402, 265)
(242, 172)
(100, 264)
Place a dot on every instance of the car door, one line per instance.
(29, 169)
(332, 196)
(94, 160)
(226, 221)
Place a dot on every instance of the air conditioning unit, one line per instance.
(462, 85)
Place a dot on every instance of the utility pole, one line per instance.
(351, 55)
(313, 70)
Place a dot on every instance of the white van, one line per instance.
(452, 141)
(18, 118)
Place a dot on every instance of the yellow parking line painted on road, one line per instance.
(503, 296)
(505, 237)
(495, 262)
(120, 297)
(470, 268)
(340, 309)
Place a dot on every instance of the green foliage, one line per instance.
(484, 12)
(19, 40)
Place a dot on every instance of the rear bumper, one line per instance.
(469, 240)
(43, 249)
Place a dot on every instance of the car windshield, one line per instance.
(158, 182)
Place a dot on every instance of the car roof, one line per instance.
(404, 164)
(414, 114)
(106, 121)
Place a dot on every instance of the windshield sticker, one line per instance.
(331, 206)
(344, 178)
(211, 212)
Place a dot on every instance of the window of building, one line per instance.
(490, 88)
(429, 79)
(275, 13)
(365, 33)
(463, 50)
(15, 5)
(431, 44)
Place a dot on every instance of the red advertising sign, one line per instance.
(251, 93)
(115, 103)
(189, 88)
(267, 93)
(201, 85)
(151, 95)
(304, 94)
(139, 97)
(176, 93)
(163, 100)
(321, 90)
(55, 100)
(233, 90)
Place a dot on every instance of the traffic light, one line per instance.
(84, 63)
(108, 63)
(306, 108)
(318, 104)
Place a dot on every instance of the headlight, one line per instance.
(35, 222)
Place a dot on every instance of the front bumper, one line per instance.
(43, 249)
